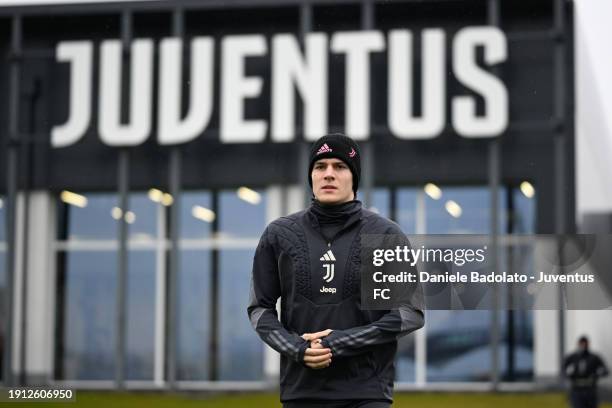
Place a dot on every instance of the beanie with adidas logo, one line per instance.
(340, 147)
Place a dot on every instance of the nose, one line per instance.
(329, 172)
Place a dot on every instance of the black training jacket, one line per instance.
(290, 263)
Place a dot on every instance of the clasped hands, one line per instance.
(316, 356)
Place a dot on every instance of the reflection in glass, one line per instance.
(95, 220)
(241, 351)
(458, 345)
(381, 201)
(140, 342)
(196, 215)
(524, 213)
(142, 217)
(516, 326)
(458, 342)
(87, 344)
(474, 207)
(194, 315)
(406, 209)
(240, 218)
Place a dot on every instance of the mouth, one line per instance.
(328, 188)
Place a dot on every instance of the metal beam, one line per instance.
(174, 181)
(494, 163)
(123, 182)
(12, 174)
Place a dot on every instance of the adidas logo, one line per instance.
(328, 256)
(324, 149)
(352, 153)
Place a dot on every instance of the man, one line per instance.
(584, 368)
(333, 354)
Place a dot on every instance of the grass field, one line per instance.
(409, 400)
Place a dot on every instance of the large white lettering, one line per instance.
(402, 121)
(236, 87)
(492, 89)
(296, 70)
(357, 46)
(136, 131)
(80, 55)
(309, 75)
(171, 128)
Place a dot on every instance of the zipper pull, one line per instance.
(329, 244)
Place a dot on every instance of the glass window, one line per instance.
(524, 211)
(458, 342)
(406, 209)
(143, 216)
(516, 326)
(241, 350)
(196, 215)
(242, 213)
(381, 201)
(406, 218)
(140, 292)
(194, 304)
(88, 285)
(91, 219)
(88, 336)
(461, 210)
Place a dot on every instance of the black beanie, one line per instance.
(340, 147)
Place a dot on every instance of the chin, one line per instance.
(326, 199)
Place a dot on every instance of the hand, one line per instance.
(317, 358)
(317, 335)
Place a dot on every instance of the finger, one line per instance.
(317, 359)
(318, 366)
(320, 334)
(316, 346)
(316, 351)
(307, 336)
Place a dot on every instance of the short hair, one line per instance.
(583, 339)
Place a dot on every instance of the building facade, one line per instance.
(147, 144)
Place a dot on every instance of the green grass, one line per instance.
(267, 400)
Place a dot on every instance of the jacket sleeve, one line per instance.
(265, 291)
(406, 318)
(602, 370)
(569, 369)
(390, 327)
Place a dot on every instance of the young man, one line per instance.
(333, 354)
(584, 369)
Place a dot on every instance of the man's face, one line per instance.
(332, 181)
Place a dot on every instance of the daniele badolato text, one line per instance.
(413, 266)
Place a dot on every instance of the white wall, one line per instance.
(593, 148)
(593, 106)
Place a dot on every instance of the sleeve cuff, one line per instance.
(301, 352)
